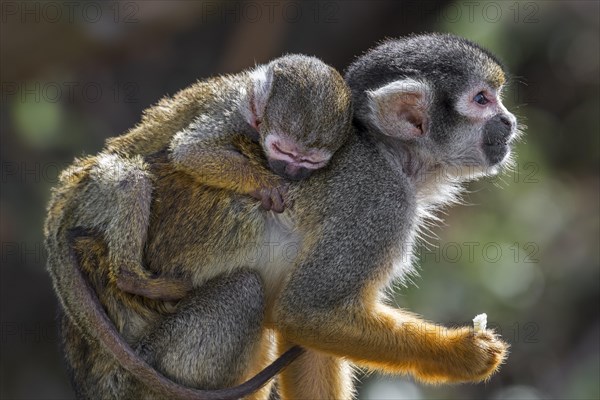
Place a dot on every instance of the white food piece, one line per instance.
(479, 322)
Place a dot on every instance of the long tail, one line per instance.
(73, 284)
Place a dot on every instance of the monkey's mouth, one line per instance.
(495, 141)
(496, 151)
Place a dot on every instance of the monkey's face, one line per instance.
(437, 97)
(485, 128)
(290, 159)
(458, 137)
(306, 118)
(298, 144)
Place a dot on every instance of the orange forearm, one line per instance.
(398, 342)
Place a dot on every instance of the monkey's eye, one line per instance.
(480, 99)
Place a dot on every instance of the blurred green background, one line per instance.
(524, 249)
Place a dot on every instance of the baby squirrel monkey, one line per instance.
(246, 134)
(296, 107)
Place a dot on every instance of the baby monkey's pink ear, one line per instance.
(400, 108)
(261, 81)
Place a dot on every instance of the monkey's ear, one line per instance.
(400, 108)
(254, 104)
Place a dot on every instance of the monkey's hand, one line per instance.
(273, 198)
(467, 356)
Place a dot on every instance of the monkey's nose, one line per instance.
(499, 128)
(506, 121)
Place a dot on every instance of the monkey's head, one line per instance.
(437, 98)
(302, 111)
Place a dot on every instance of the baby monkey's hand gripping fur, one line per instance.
(210, 131)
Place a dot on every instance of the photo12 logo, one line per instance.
(517, 12)
(70, 92)
(70, 12)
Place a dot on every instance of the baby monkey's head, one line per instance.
(437, 97)
(301, 108)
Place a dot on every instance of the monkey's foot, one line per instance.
(165, 289)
